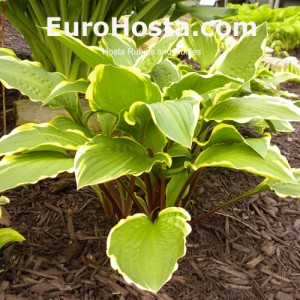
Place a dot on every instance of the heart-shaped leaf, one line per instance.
(146, 253)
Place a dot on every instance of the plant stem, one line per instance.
(162, 189)
(260, 188)
(115, 205)
(192, 188)
(185, 186)
(130, 199)
(150, 192)
(107, 207)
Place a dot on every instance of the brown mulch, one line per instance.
(250, 250)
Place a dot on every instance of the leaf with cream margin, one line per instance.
(114, 89)
(240, 156)
(30, 136)
(105, 159)
(285, 189)
(31, 167)
(176, 119)
(245, 109)
(146, 253)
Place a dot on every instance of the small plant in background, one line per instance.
(8, 235)
(160, 125)
(283, 24)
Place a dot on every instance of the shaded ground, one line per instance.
(250, 250)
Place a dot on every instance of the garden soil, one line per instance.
(250, 250)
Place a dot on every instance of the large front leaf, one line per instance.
(242, 59)
(106, 159)
(114, 89)
(146, 253)
(31, 136)
(251, 107)
(31, 167)
(176, 119)
(242, 157)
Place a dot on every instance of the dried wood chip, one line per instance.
(254, 262)
(268, 249)
(42, 287)
(283, 296)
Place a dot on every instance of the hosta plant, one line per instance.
(160, 125)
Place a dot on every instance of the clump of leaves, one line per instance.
(160, 126)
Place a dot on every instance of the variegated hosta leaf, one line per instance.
(240, 156)
(242, 59)
(31, 136)
(202, 84)
(206, 49)
(106, 159)
(245, 109)
(122, 49)
(31, 167)
(114, 89)
(176, 119)
(31, 79)
(228, 134)
(146, 253)
(156, 53)
(165, 73)
(286, 189)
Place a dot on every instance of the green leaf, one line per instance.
(242, 59)
(146, 253)
(174, 187)
(9, 235)
(286, 189)
(202, 84)
(165, 73)
(66, 124)
(122, 49)
(205, 49)
(32, 80)
(245, 109)
(176, 119)
(31, 136)
(143, 130)
(79, 86)
(156, 53)
(228, 134)
(114, 89)
(31, 167)
(91, 55)
(106, 159)
(242, 157)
